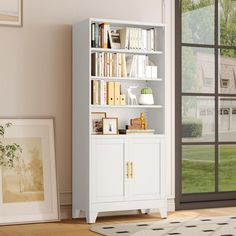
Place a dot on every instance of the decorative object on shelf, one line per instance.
(28, 186)
(114, 39)
(110, 125)
(132, 98)
(122, 99)
(11, 12)
(146, 97)
(96, 119)
(139, 123)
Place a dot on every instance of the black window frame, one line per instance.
(198, 200)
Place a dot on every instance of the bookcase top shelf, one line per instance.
(126, 51)
(128, 106)
(125, 79)
(124, 23)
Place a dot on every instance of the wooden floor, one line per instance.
(80, 228)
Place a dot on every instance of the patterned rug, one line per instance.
(214, 226)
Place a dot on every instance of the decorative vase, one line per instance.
(146, 99)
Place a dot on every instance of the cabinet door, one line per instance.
(147, 168)
(108, 170)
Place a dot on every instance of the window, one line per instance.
(205, 73)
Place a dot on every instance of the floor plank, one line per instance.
(80, 228)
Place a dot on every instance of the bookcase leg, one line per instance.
(75, 213)
(163, 213)
(145, 211)
(91, 217)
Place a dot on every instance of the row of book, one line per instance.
(107, 93)
(122, 65)
(103, 36)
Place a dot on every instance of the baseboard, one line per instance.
(66, 211)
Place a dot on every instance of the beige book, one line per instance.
(117, 93)
(110, 93)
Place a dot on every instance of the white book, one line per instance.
(136, 38)
(140, 38)
(131, 38)
(129, 61)
(144, 40)
(148, 40)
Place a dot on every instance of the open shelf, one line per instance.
(126, 51)
(128, 106)
(124, 79)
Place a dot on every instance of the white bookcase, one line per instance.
(117, 172)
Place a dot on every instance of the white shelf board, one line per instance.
(128, 106)
(126, 51)
(100, 136)
(124, 78)
(127, 23)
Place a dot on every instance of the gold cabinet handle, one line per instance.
(128, 169)
(132, 170)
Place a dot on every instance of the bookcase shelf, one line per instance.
(114, 172)
(125, 79)
(128, 106)
(126, 51)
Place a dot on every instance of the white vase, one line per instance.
(146, 99)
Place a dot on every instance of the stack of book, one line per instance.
(137, 38)
(99, 35)
(102, 36)
(109, 64)
(106, 93)
(136, 131)
(122, 65)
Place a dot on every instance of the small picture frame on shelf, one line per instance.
(114, 39)
(110, 126)
(96, 119)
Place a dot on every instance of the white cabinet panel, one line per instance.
(145, 156)
(108, 170)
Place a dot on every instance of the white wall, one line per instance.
(35, 65)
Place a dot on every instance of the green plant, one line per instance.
(9, 152)
(146, 90)
(191, 127)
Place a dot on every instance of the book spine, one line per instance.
(110, 93)
(93, 35)
(117, 93)
(106, 30)
(152, 39)
(96, 36)
(110, 64)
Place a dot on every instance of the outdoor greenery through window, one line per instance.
(208, 96)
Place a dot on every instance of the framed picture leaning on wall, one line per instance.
(28, 186)
(11, 12)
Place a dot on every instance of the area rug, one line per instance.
(214, 226)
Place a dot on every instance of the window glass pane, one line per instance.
(227, 168)
(227, 119)
(198, 119)
(198, 70)
(227, 31)
(198, 169)
(227, 71)
(198, 21)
